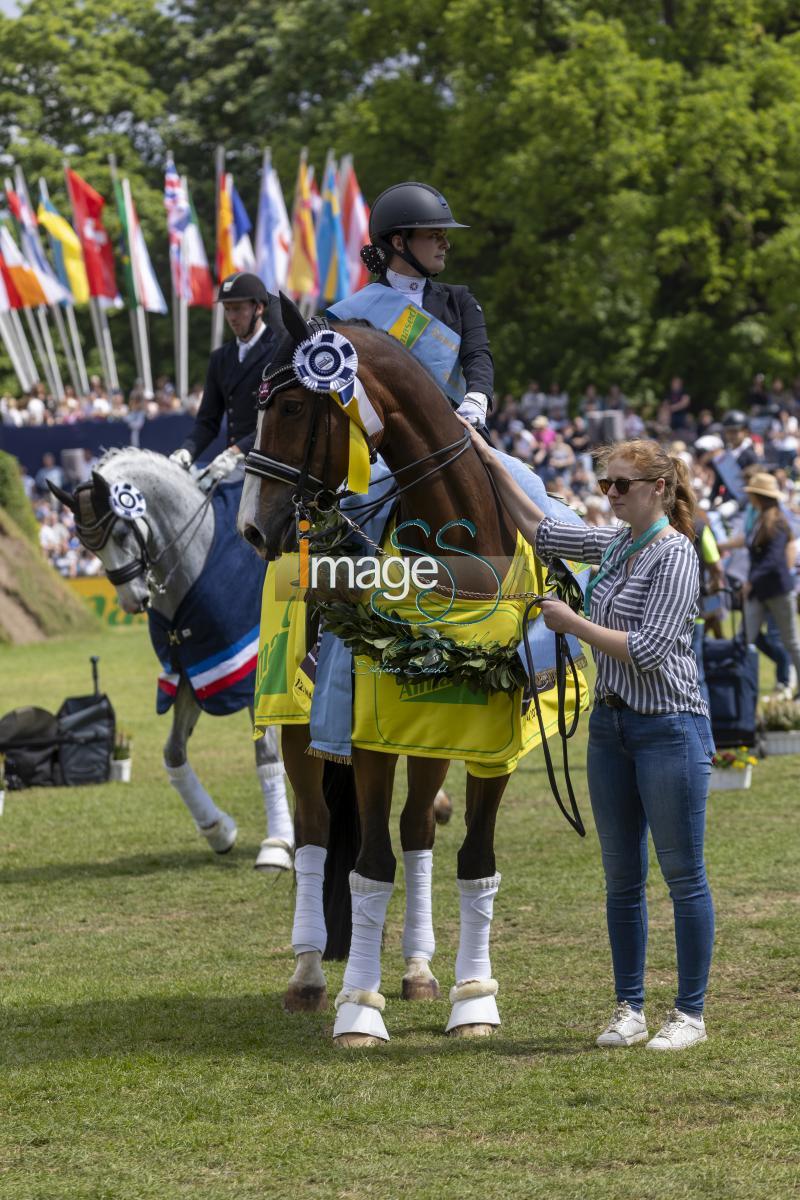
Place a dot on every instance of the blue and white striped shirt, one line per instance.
(655, 602)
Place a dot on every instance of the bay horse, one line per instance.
(155, 555)
(303, 439)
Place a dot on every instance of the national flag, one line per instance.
(31, 248)
(201, 286)
(23, 278)
(143, 282)
(9, 298)
(355, 219)
(303, 275)
(87, 209)
(225, 230)
(273, 231)
(67, 253)
(243, 257)
(191, 278)
(334, 282)
(316, 198)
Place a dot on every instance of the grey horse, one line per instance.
(153, 529)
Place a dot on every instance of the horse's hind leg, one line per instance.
(307, 990)
(277, 849)
(417, 831)
(217, 827)
(474, 1008)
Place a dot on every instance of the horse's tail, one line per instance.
(344, 842)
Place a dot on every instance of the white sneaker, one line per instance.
(626, 1027)
(679, 1032)
(221, 835)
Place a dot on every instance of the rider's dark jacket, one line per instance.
(231, 388)
(456, 307)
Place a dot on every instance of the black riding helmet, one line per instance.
(402, 207)
(734, 420)
(244, 285)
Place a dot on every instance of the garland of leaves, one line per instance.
(393, 644)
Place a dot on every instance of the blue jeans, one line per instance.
(653, 771)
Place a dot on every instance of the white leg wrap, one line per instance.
(273, 786)
(308, 931)
(370, 900)
(193, 795)
(418, 939)
(477, 906)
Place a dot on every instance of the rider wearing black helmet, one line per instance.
(408, 244)
(234, 374)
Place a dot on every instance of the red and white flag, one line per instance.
(87, 209)
(355, 219)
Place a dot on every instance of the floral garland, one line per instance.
(491, 667)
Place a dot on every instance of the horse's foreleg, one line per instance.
(307, 990)
(217, 827)
(474, 1008)
(417, 831)
(359, 1005)
(277, 849)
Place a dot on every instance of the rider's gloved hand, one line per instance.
(473, 408)
(221, 466)
(182, 457)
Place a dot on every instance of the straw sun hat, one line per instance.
(764, 484)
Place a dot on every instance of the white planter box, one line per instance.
(782, 743)
(730, 779)
(120, 770)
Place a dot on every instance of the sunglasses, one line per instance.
(622, 485)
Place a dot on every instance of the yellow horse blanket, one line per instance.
(429, 717)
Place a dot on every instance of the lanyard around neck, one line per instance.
(642, 540)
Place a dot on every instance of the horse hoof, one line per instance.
(471, 1031)
(442, 808)
(305, 998)
(274, 857)
(356, 1041)
(414, 988)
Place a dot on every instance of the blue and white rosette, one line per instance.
(127, 501)
(326, 362)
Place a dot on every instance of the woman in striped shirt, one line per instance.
(650, 743)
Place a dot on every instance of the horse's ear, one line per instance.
(65, 498)
(293, 320)
(100, 485)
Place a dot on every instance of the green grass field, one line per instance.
(144, 1053)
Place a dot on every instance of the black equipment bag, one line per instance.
(72, 748)
(731, 667)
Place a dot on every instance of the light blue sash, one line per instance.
(429, 339)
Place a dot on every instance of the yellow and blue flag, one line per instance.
(67, 252)
(334, 276)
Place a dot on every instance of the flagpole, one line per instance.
(13, 351)
(72, 347)
(182, 309)
(36, 337)
(58, 389)
(25, 350)
(138, 317)
(216, 312)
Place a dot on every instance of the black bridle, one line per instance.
(95, 534)
(313, 492)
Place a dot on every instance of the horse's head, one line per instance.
(301, 450)
(125, 515)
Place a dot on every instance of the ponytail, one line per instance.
(681, 505)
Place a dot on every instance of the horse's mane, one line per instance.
(381, 344)
(116, 452)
